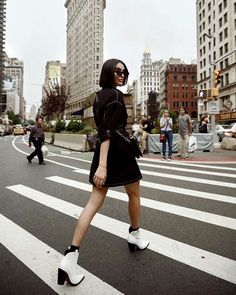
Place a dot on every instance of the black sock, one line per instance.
(72, 248)
(132, 229)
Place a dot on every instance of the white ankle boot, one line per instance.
(67, 270)
(134, 240)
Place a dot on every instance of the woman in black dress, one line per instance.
(114, 164)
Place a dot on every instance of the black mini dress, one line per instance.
(110, 115)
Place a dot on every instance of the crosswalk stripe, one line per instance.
(191, 179)
(177, 190)
(189, 164)
(165, 166)
(172, 168)
(44, 260)
(166, 207)
(206, 261)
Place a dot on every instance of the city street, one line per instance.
(188, 215)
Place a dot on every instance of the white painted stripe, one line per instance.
(177, 190)
(208, 262)
(44, 260)
(171, 163)
(161, 206)
(172, 168)
(191, 179)
(191, 164)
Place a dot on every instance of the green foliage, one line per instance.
(16, 119)
(60, 125)
(31, 122)
(87, 131)
(75, 126)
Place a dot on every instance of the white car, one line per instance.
(220, 130)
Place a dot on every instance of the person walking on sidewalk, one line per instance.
(37, 138)
(112, 165)
(185, 131)
(166, 127)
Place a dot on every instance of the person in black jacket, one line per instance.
(203, 125)
(113, 164)
(37, 138)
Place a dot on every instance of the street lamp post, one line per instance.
(212, 63)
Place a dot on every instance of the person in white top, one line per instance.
(166, 125)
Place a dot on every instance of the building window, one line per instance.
(220, 22)
(226, 62)
(221, 50)
(221, 65)
(220, 8)
(225, 3)
(225, 17)
(209, 6)
(226, 79)
(226, 32)
(226, 48)
(221, 36)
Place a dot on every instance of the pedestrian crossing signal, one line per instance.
(217, 78)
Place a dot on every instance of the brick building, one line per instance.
(181, 80)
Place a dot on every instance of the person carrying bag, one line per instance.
(166, 135)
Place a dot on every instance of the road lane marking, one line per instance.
(177, 190)
(44, 260)
(190, 164)
(166, 167)
(172, 168)
(198, 215)
(205, 261)
(190, 179)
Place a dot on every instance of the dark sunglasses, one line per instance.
(119, 73)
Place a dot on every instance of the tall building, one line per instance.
(33, 112)
(55, 72)
(85, 20)
(2, 53)
(14, 68)
(216, 49)
(149, 80)
(181, 84)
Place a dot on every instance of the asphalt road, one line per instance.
(188, 214)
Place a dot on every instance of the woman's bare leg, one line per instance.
(95, 202)
(133, 191)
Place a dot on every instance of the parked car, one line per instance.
(8, 130)
(19, 130)
(220, 131)
(1, 130)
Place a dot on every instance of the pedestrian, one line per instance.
(37, 138)
(203, 125)
(111, 166)
(185, 130)
(145, 132)
(166, 125)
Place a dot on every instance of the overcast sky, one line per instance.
(36, 33)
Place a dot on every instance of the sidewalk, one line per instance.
(218, 155)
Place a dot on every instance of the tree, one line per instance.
(54, 103)
(16, 119)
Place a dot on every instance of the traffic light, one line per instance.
(217, 78)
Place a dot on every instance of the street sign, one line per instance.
(213, 107)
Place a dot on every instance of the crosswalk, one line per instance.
(44, 261)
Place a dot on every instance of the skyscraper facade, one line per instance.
(85, 21)
(2, 51)
(14, 68)
(216, 49)
(149, 80)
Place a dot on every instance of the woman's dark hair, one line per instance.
(107, 73)
(38, 117)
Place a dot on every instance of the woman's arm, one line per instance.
(101, 173)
